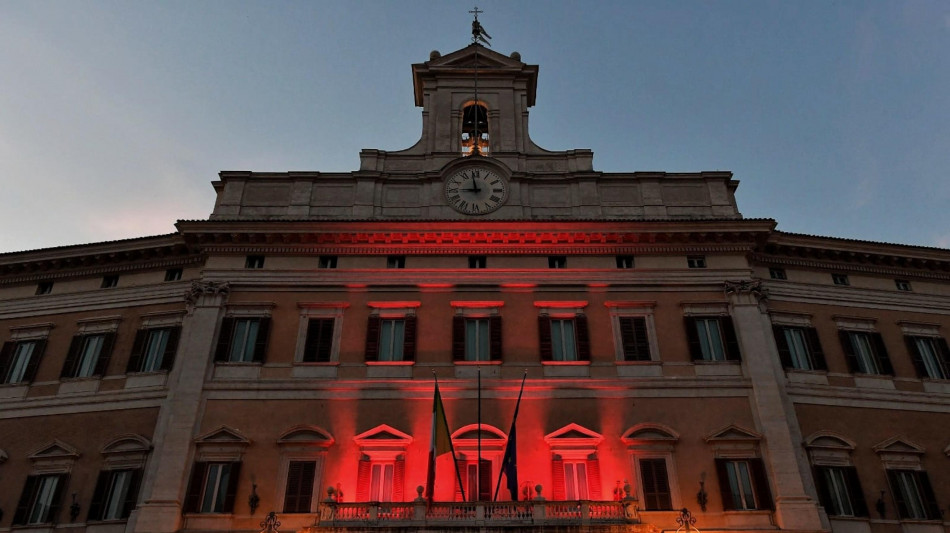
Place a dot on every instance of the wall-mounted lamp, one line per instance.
(880, 506)
(74, 509)
(253, 501)
(701, 497)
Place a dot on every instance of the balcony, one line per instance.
(490, 515)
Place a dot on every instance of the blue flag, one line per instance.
(510, 464)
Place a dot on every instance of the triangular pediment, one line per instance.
(898, 444)
(465, 58)
(382, 434)
(573, 433)
(733, 432)
(223, 435)
(306, 435)
(55, 450)
(130, 443)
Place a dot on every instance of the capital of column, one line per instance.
(745, 292)
(206, 294)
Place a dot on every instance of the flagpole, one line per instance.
(478, 467)
(508, 455)
(458, 475)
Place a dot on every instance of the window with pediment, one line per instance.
(651, 451)
(45, 488)
(216, 473)
(477, 475)
(117, 487)
(910, 486)
(743, 482)
(575, 468)
(303, 451)
(836, 478)
(381, 473)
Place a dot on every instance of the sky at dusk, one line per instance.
(115, 116)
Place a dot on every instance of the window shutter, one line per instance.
(138, 349)
(484, 481)
(22, 512)
(849, 355)
(915, 356)
(692, 339)
(399, 479)
(594, 486)
(99, 495)
(732, 343)
(223, 352)
(363, 479)
(458, 338)
(821, 474)
(583, 337)
(814, 349)
(944, 353)
(299, 493)
(784, 354)
(880, 352)
(930, 500)
(494, 338)
(656, 485)
(858, 502)
(544, 340)
(6, 353)
(168, 358)
(132, 496)
(409, 341)
(727, 503)
(75, 346)
(105, 354)
(557, 478)
(52, 515)
(372, 344)
(760, 483)
(234, 476)
(639, 347)
(34, 364)
(894, 481)
(463, 478)
(193, 496)
(319, 340)
(263, 334)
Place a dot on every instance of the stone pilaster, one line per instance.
(167, 473)
(788, 468)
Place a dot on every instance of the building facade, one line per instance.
(281, 355)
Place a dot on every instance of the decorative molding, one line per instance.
(206, 293)
(308, 435)
(746, 291)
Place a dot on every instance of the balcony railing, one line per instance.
(529, 513)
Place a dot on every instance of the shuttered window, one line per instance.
(298, 497)
(319, 343)
(799, 348)
(115, 494)
(865, 352)
(88, 355)
(743, 484)
(212, 487)
(391, 339)
(913, 494)
(154, 349)
(930, 355)
(840, 491)
(243, 340)
(712, 339)
(40, 500)
(19, 360)
(633, 335)
(656, 485)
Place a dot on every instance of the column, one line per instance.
(775, 414)
(168, 471)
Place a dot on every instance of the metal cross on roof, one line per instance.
(478, 32)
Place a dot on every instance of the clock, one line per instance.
(476, 190)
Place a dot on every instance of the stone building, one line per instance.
(280, 355)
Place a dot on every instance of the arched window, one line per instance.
(475, 129)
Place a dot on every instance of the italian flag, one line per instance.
(441, 440)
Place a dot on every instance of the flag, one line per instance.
(441, 441)
(509, 465)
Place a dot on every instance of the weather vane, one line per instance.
(478, 32)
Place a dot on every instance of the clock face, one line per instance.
(476, 190)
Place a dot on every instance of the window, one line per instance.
(254, 261)
(624, 261)
(154, 349)
(476, 338)
(557, 261)
(173, 274)
(575, 480)
(41, 499)
(743, 484)
(212, 487)
(327, 261)
(243, 340)
(696, 261)
(381, 471)
(913, 494)
(20, 359)
(656, 485)
(478, 481)
(475, 129)
(109, 281)
(44, 287)
(840, 491)
(575, 468)
(298, 497)
(564, 338)
(391, 338)
(798, 348)
(396, 261)
(840, 279)
(902, 284)
(477, 261)
(931, 356)
(88, 355)
(865, 352)
(633, 335)
(777, 273)
(319, 342)
(115, 495)
(712, 339)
